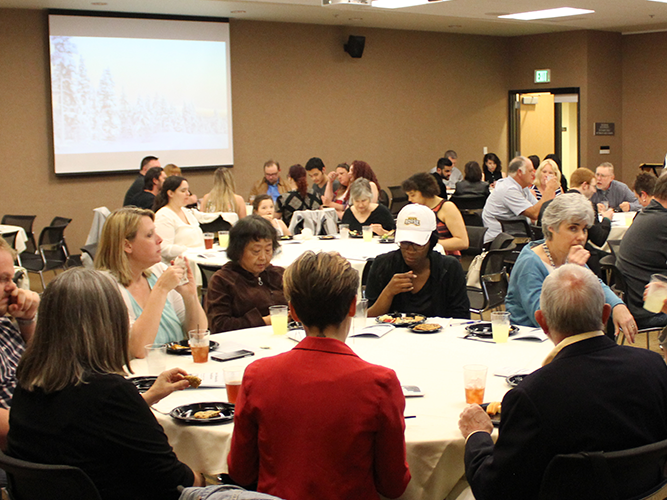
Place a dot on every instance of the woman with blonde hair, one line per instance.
(159, 308)
(548, 169)
(73, 405)
(222, 197)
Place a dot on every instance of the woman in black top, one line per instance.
(365, 213)
(73, 405)
(472, 183)
(299, 197)
(493, 168)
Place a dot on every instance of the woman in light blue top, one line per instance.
(160, 309)
(565, 225)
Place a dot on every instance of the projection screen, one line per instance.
(124, 88)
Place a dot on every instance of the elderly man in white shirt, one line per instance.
(512, 197)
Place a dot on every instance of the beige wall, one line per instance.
(296, 94)
(644, 104)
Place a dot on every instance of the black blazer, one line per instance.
(594, 396)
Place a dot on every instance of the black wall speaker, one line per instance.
(355, 45)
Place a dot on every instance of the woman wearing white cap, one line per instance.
(415, 278)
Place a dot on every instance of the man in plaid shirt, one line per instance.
(18, 309)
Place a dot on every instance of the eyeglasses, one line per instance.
(405, 245)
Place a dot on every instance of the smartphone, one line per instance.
(228, 356)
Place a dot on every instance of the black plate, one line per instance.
(515, 380)
(143, 383)
(212, 346)
(387, 240)
(327, 237)
(417, 330)
(401, 322)
(483, 330)
(495, 419)
(286, 237)
(185, 413)
(355, 234)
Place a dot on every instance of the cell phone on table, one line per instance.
(228, 356)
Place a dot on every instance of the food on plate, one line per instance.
(400, 320)
(194, 380)
(493, 408)
(427, 327)
(177, 346)
(206, 414)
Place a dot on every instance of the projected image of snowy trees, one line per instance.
(98, 114)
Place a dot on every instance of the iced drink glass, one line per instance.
(474, 382)
(199, 345)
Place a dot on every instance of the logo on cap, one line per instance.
(412, 220)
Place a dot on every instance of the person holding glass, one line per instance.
(415, 278)
(364, 212)
(160, 309)
(73, 405)
(240, 293)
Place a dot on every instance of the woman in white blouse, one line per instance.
(177, 225)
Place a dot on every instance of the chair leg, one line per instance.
(41, 277)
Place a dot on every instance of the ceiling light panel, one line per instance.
(547, 14)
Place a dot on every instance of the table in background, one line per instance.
(355, 250)
(21, 237)
(431, 361)
(619, 225)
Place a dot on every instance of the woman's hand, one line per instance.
(190, 288)
(623, 320)
(578, 255)
(400, 283)
(170, 278)
(167, 382)
(333, 175)
(378, 229)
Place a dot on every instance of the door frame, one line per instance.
(514, 135)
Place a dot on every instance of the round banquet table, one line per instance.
(355, 250)
(431, 361)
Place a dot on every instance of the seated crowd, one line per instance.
(91, 323)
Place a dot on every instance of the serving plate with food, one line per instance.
(427, 328)
(204, 413)
(493, 410)
(401, 319)
(356, 234)
(484, 330)
(182, 348)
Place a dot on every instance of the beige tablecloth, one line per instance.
(21, 237)
(433, 362)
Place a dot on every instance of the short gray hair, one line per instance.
(572, 300)
(608, 165)
(518, 163)
(360, 190)
(571, 207)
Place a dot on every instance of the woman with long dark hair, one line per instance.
(299, 197)
(492, 168)
(177, 225)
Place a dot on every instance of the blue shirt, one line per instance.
(507, 201)
(170, 329)
(272, 191)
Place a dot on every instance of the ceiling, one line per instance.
(455, 16)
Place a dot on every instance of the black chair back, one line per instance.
(637, 473)
(60, 221)
(398, 199)
(32, 481)
(383, 198)
(26, 222)
(475, 240)
(367, 271)
(91, 250)
(207, 273)
(468, 202)
(218, 224)
(519, 228)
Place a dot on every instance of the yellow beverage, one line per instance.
(279, 324)
(223, 239)
(368, 233)
(501, 332)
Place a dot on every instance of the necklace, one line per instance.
(548, 254)
(259, 281)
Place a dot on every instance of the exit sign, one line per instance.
(542, 75)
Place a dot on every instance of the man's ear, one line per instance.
(539, 317)
(292, 312)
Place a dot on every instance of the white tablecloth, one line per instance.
(355, 250)
(619, 225)
(433, 362)
(21, 237)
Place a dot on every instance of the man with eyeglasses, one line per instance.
(271, 183)
(612, 193)
(18, 309)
